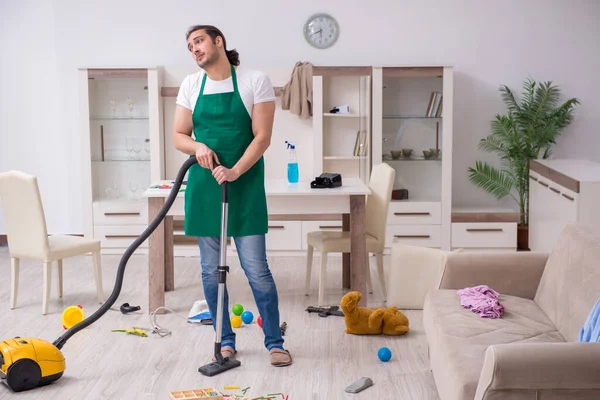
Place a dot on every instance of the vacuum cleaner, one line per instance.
(27, 363)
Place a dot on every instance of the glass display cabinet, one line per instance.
(122, 148)
(412, 132)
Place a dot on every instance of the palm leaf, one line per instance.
(509, 99)
(492, 180)
(525, 115)
(546, 98)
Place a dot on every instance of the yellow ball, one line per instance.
(236, 321)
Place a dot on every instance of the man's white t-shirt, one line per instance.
(254, 87)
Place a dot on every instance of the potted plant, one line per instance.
(528, 131)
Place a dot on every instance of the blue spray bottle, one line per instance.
(292, 168)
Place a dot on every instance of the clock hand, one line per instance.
(319, 31)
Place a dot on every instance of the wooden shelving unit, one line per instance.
(342, 141)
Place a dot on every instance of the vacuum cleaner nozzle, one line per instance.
(221, 364)
(216, 367)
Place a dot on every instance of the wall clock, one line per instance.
(321, 31)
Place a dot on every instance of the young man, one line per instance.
(230, 111)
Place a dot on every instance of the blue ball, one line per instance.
(384, 354)
(247, 317)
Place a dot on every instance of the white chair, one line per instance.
(377, 205)
(28, 238)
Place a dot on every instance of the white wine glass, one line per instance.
(147, 148)
(130, 104)
(115, 189)
(133, 186)
(137, 147)
(113, 107)
(129, 147)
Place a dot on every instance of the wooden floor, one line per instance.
(106, 365)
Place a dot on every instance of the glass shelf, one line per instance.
(117, 161)
(118, 118)
(410, 117)
(407, 159)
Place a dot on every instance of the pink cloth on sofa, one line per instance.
(481, 300)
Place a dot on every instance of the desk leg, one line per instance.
(346, 256)
(358, 247)
(169, 262)
(156, 257)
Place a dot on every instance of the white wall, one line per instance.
(43, 42)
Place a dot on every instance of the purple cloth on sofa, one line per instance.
(481, 300)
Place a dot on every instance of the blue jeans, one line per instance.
(253, 259)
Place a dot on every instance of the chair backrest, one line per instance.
(570, 285)
(23, 215)
(381, 184)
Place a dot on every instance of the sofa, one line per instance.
(531, 352)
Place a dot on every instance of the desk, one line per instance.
(296, 202)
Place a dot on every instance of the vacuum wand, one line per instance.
(222, 270)
(60, 342)
(221, 364)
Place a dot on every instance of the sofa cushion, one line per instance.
(458, 338)
(570, 284)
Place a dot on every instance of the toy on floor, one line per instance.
(133, 331)
(247, 317)
(126, 308)
(237, 309)
(236, 321)
(283, 325)
(196, 394)
(384, 354)
(395, 323)
(325, 311)
(199, 313)
(72, 316)
(283, 328)
(360, 320)
(371, 321)
(214, 394)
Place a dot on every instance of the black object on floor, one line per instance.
(326, 311)
(126, 308)
(221, 364)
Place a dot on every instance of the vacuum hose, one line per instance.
(59, 343)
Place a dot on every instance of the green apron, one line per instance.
(221, 122)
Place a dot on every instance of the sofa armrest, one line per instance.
(515, 274)
(540, 367)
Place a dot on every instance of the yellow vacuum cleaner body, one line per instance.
(29, 362)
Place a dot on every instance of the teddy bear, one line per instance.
(368, 321)
(394, 321)
(360, 320)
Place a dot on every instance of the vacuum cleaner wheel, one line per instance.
(23, 375)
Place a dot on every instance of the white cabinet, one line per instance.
(561, 191)
(412, 132)
(284, 235)
(484, 229)
(122, 150)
